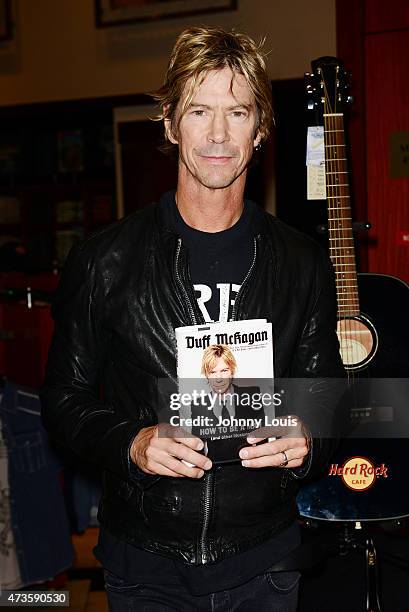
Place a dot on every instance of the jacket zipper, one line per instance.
(253, 263)
(208, 477)
(181, 285)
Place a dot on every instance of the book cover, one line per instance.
(225, 383)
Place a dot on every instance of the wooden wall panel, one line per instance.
(387, 110)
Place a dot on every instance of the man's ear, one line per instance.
(168, 130)
(257, 139)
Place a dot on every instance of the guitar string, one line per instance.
(350, 292)
(331, 232)
(345, 248)
(344, 236)
(336, 213)
(342, 240)
(336, 225)
(334, 222)
(346, 239)
(346, 256)
(346, 292)
(353, 292)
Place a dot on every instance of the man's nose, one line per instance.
(218, 129)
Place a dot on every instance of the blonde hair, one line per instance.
(213, 352)
(199, 50)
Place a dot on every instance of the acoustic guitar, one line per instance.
(373, 332)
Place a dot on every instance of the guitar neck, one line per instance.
(341, 241)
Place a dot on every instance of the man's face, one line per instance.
(217, 133)
(220, 376)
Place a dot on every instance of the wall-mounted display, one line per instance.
(119, 12)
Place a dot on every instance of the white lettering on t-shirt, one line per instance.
(226, 299)
(205, 296)
(225, 302)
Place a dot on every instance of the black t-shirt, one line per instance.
(218, 264)
(139, 566)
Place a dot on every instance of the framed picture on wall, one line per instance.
(6, 29)
(118, 12)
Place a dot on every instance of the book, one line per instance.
(225, 383)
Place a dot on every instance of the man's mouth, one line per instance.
(217, 159)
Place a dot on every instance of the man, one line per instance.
(175, 536)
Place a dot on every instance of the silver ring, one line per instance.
(285, 459)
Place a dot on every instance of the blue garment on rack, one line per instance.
(39, 518)
(82, 489)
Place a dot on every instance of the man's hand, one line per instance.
(289, 451)
(164, 449)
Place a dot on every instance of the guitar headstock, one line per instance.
(327, 86)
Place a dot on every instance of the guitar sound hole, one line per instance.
(357, 339)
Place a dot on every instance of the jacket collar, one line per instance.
(260, 219)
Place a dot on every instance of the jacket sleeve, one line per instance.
(318, 375)
(72, 410)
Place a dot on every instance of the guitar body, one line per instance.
(385, 301)
(381, 404)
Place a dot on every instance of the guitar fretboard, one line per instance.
(341, 241)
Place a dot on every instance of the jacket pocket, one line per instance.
(127, 491)
(28, 452)
(158, 504)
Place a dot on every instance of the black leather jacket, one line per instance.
(121, 295)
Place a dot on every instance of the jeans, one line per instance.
(270, 592)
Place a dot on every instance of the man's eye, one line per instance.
(198, 113)
(239, 114)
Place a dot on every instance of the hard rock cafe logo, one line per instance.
(358, 473)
